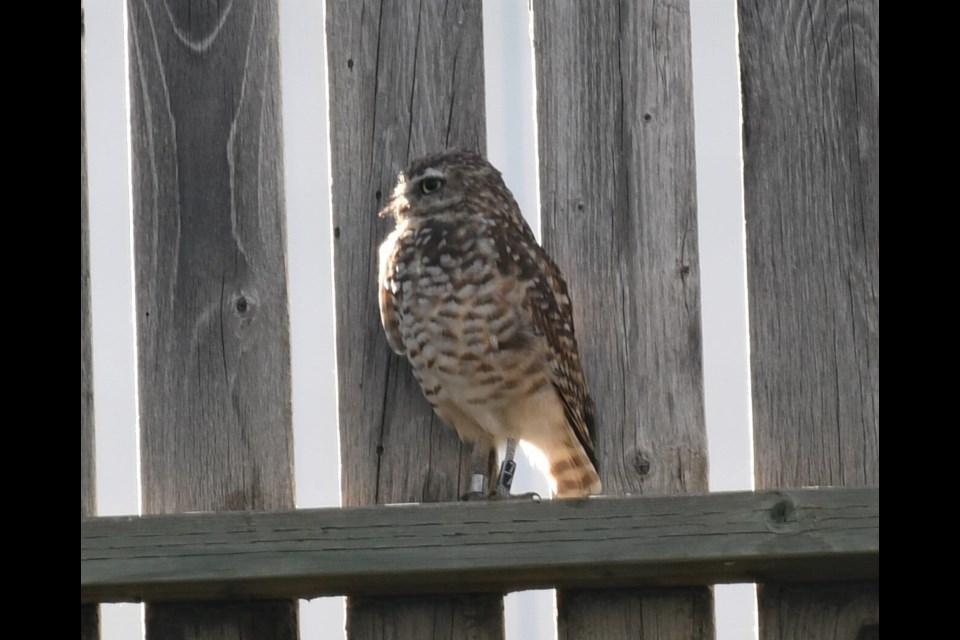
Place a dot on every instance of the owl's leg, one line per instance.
(479, 462)
(505, 479)
(507, 470)
(478, 482)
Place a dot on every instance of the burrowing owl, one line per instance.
(483, 315)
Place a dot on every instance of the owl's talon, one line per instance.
(474, 496)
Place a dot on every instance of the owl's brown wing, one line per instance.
(551, 313)
(389, 291)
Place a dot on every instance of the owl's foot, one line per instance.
(508, 468)
(531, 496)
(505, 480)
(476, 496)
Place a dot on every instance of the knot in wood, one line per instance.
(641, 463)
(243, 305)
(782, 517)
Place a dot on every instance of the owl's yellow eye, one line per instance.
(430, 185)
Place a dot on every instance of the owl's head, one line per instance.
(450, 182)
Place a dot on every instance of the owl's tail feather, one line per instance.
(573, 471)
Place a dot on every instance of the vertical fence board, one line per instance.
(405, 79)
(678, 614)
(618, 204)
(212, 326)
(811, 145)
(474, 617)
(89, 614)
(811, 94)
(831, 612)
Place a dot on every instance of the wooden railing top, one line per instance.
(789, 535)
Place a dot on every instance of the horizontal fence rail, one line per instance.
(789, 535)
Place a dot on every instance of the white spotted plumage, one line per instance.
(483, 316)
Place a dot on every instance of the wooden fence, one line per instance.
(617, 186)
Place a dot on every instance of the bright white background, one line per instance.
(511, 146)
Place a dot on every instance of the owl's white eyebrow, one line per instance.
(431, 172)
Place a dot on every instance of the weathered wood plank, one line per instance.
(88, 505)
(240, 620)
(811, 141)
(811, 147)
(457, 616)
(633, 613)
(618, 204)
(211, 294)
(89, 615)
(828, 612)
(89, 622)
(405, 79)
(827, 534)
(390, 100)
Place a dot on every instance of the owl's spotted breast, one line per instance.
(459, 324)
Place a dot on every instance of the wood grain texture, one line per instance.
(811, 150)
(89, 622)
(221, 621)
(88, 506)
(466, 617)
(618, 205)
(211, 294)
(619, 216)
(811, 147)
(89, 615)
(826, 612)
(405, 79)
(803, 534)
(598, 614)
(212, 322)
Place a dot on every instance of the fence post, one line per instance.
(89, 614)
(211, 294)
(405, 79)
(811, 147)
(618, 204)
